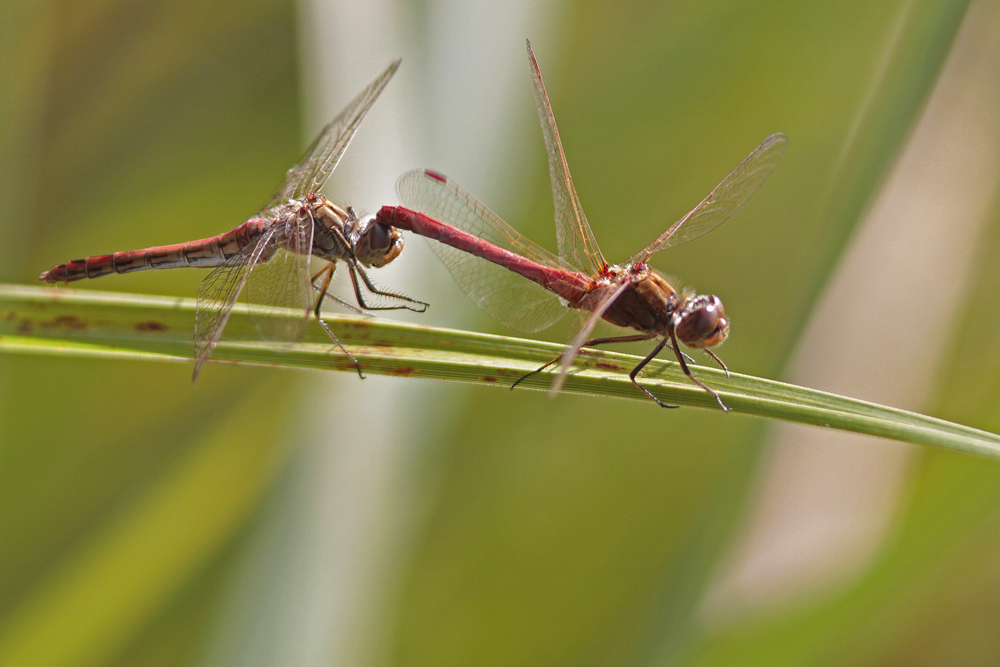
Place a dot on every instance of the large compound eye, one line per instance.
(702, 322)
(378, 245)
(378, 238)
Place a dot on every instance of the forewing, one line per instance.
(512, 299)
(577, 244)
(600, 305)
(727, 197)
(279, 292)
(322, 156)
(217, 294)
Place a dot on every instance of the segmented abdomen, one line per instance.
(202, 253)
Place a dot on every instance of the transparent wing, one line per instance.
(727, 197)
(600, 304)
(279, 292)
(322, 156)
(577, 244)
(443, 199)
(507, 296)
(219, 291)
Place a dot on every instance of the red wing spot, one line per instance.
(436, 176)
(607, 366)
(151, 325)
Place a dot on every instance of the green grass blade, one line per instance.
(39, 320)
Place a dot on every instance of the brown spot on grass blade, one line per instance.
(66, 322)
(151, 325)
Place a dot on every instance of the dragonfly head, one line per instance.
(378, 243)
(701, 322)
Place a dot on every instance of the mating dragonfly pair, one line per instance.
(512, 278)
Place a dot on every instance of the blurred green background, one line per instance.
(267, 517)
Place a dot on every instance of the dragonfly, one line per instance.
(270, 255)
(490, 260)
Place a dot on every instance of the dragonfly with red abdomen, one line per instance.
(490, 260)
(270, 254)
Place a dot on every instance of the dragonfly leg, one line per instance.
(346, 304)
(642, 364)
(687, 371)
(322, 289)
(329, 269)
(323, 269)
(590, 343)
(537, 370)
(419, 308)
(718, 361)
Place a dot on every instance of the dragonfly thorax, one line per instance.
(651, 304)
(647, 304)
(330, 239)
(340, 234)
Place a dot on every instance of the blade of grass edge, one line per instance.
(40, 320)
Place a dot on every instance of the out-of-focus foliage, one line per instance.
(569, 531)
(123, 489)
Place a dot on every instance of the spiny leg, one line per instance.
(329, 269)
(346, 304)
(642, 364)
(323, 269)
(331, 295)
(718, 361)
(631, 339)
(342, 242)
(590, 343)
(374, 290)
(687, 371)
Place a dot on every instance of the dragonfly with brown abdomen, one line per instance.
(270, 254)
(490, 260)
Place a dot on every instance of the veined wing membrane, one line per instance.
(283, 282)
(727, 197)
(323, 155)
(507, 296)
(576, 240)
(219, 291)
